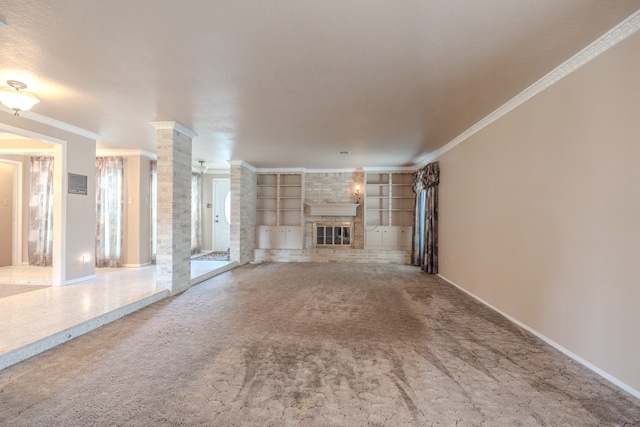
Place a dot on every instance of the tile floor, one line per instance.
(33, 322)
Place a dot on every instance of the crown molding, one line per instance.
(390, 169)
(243, 164)
(343, 170)
(174, 126)
(126, 152)
(27, 151)
(59, 125)
(281, 170)
(611, 38)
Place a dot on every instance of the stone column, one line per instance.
(173, 257)
(243, 211)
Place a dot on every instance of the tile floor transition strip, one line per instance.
(22, 353)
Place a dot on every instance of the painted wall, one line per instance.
(137, 211)
(539, 213)
(6, 213)
(78, 228)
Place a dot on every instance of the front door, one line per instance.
(221, 212)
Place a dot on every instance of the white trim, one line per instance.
(144, 264)
(59, 125)
(28, 151)
(30, 135)
(614, 36)
(281, 170)
(343, 170)
(79, 279)
(174, 126)
(126, 152)
(552, 343)
(390, 169)
(243, 164)
(225, 172)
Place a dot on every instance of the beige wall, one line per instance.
(137, 211)
(539, 213)
(79, 230)
(6, 213)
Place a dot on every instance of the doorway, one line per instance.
(221, 227)
(10, 212)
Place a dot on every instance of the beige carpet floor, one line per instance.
(311, 344)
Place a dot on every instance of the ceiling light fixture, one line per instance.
(202, 167)
(17, 100)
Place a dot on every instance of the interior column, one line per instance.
(173, 257)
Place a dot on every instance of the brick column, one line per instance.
(243, 211)
(173, 258)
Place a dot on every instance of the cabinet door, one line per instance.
(264, 233)
(405, 238)
(373, 237)
(390, 237)
(292, 238)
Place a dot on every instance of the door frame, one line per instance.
(213, 213)
(16, 232)
(59, 199)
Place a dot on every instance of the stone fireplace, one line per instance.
(332, 234)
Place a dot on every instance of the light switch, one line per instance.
(5, 202)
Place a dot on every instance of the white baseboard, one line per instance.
(552, 343)
(79, 279)
(136, 265)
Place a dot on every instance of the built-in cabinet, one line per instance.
(388, 214)
(279, 211)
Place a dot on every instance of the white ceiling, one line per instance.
(289, 83)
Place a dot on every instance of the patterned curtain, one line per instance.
(432, 179)
(425, 224)
(417, 253)
(109, 194)
(196, 207)
(40, 240)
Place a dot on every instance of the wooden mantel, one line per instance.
(333, 209)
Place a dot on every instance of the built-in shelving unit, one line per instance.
(279, 211)
(389, 204)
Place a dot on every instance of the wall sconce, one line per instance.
(85, 259)
(16, 100)
(357, 193)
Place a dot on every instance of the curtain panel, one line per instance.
(196, 215)
(425, 239)
(109, 206)
(40, 239)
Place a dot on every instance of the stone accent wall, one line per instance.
(333, 187)
(243, 213)
(333, 255)
(174, 211)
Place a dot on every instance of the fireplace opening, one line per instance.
(332, 234)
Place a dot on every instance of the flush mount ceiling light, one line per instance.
(202, 168)
(17, 100)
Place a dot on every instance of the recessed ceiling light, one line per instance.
(344, 153)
